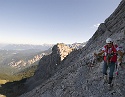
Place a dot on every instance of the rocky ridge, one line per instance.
(74, 77)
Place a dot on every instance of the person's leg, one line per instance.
(112, 68)
(105, 66)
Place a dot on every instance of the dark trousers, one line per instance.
(111, 66)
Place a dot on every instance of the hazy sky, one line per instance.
(52, 21)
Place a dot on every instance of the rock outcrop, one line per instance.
(48, 65)
(74, 77)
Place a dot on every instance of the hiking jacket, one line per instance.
(113, 51)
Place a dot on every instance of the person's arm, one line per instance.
(99, 54)
(121, 55)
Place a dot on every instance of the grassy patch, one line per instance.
(25, 73)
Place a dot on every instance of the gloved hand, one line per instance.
(95, 54)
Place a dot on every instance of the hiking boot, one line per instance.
(110, 86)
(105, 78)
(110, 80)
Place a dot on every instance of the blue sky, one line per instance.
(52, 21)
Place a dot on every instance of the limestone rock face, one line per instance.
(74, 77)
(62, 49)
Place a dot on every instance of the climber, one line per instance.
(110, 52)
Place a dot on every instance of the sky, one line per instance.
(52, 21)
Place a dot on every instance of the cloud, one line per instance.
(96, 25)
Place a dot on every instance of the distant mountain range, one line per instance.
(20, 59)
(20, 56)
(77, 45)
(25, 46)
(36, 47)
